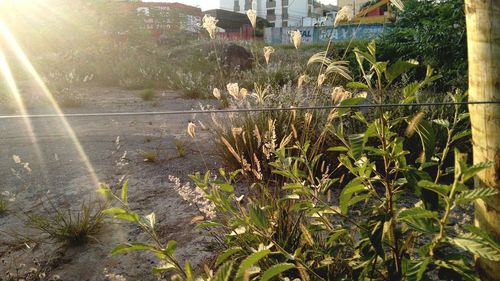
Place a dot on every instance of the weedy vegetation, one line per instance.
(69, 227)
(360, 191)
(347, 194)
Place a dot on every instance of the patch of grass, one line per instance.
(180, 147)
(69, 100)
(147, 95)
(72, 228)
(3, 204)
(150, 156)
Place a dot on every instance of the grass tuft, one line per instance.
(72, 228)
(147, 95)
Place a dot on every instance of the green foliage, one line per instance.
(147, 95)
(293, 228)
(432, 32)
(70, 227)
(150, 156)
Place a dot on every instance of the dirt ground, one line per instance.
(58, 174)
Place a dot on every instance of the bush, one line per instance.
(432, 32)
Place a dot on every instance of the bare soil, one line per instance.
(58, 174)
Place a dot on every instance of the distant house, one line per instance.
(161, 17)
(279, 13)
(236, 26)
(369, 11)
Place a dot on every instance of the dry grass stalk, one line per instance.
(413, 124)
(231, 149)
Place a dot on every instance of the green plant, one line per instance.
(432, 32)
(150, 156)
(147, 95)
(180, 147)
(391, 220)
(3, 204)
(70, 227)
(227, 269)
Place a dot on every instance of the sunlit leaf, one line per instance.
(476, 245)
(226, 254)
(477, 193)
(224, 272)
(441, 189)
(124, 192)
(250, 261)
(275, 270)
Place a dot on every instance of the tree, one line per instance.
(432, 32)
(483, 33)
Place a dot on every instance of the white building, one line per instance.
(280, 13)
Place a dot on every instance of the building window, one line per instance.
(285, 24)
(236, 5)
(284, 13)
(271, 12)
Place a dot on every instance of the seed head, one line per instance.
(252, 16)
(296, 37)
(321, 79)
(303, 79)
(268, 50)
(191, 129)
(345, 14)
(16, 159)
(210, 24)
(216, 93)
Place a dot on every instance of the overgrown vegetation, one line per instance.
(349, 194)
(373, 188)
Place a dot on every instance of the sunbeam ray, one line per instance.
(23, 58)
(14, 90)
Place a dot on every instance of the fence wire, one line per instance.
(240, 110)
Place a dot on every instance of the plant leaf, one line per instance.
(345, 196)
(471, 171)
(416, 213)
(440, 189)
(124, 192)
(417, 268)
(275, 270)
(224, 272)
(226, 254)
(124, 248)
(460, 135)
(251, 260)
(477, 193)
(476, 245)
(357, 85)
(442, 122)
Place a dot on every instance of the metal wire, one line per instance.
(243, 110)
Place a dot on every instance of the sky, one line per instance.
(212, 4)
